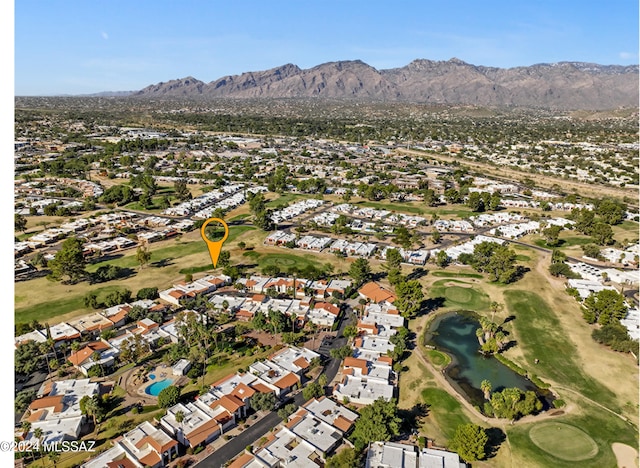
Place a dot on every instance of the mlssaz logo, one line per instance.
(69, 446)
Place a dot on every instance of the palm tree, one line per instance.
(495, 307)
(180, 418)
(485, 386)
(501, 339)
(25, 426)
(54, 457)
(64, 348)
(480, 335)
(44, 349)
(92, 409)
(37, 433)
(96, 357)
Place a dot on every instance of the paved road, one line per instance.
(248, 437)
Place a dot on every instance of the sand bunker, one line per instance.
(626, 455)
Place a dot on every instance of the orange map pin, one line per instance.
(214, 246)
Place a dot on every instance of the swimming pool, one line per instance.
(156, 387)
(152, 376)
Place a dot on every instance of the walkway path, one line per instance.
(496, 422)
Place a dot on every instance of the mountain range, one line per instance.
(563, 85)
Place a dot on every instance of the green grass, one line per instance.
(460, 297)
(448, 274)
(563, 441)
(523, 258)
(445, 409)
(438, 359)
(600, 426)
(284, 261)
(286, 199)
(240, 217)
(398, 207)
(42, 312)
(544, 339)
(180, 249)
(195, 269)
(564, 242)
(252, 254)
(459, 212)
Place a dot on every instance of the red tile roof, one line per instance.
(376, 293)
(85, 353)
(287, 381)
(54, 401)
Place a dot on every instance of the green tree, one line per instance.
(475, 202)
(263, 220)
(452, 196)
(498, 261)
(512, 403)
(602, 234)
(494, 201)
(470, 442)
(435, 236)
(410, 298)
(605, 307)
(377, 422)
(350, 331)
(485, 386)
(341, 352)
(287, 411)
(224, 260)
(610, 211)
(169, 396)
(263, 401)
(551, 235)
(442, 259)
(181, 190)
(147, 293)
(69, 262)
(346, 458)
(394, 259)
(584, 220)
(591, 250)
(312, 390)
(20, 222)
(430, 198)
(143, 255)
(616, 336)
(403, 237)
(360, 271)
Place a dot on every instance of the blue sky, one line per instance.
(87, 46)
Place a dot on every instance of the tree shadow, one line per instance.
(509, 319)
(496, 438)
(189, 396)
(105, 258)
(520, 271)
(412, 417)
(378, 275)
(417, 273)
(510, 344)
(162, 263)
(431, 304)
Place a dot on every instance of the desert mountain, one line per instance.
(564, 85)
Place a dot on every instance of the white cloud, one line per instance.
(104, 35)
(627, 55)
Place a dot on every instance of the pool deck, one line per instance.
(160, 372)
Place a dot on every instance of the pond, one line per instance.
(455, 334)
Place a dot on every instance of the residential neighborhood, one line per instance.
(363, 290)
